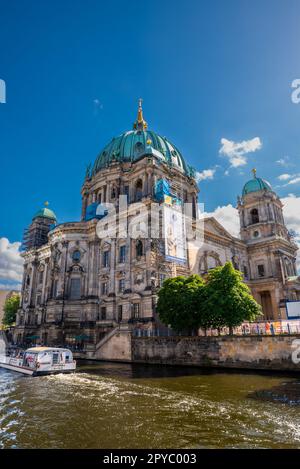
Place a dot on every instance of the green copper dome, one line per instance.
(133, 145)
(45, 213)
(256, 184)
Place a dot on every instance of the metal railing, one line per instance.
(272, 328)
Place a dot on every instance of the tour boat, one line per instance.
(41, 361)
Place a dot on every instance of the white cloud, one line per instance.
(291, 178)
(229, 218)
(291, 212)
(294, 181)
(10, 286)
(284, 177)
(205, 174)
(11, 263)
(236, 151)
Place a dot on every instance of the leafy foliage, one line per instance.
(11, 306)
(229, 298)
(178, 302)
(221, 300)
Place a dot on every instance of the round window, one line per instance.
(76, 256)
(256, 234)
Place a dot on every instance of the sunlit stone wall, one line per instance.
(261, 352)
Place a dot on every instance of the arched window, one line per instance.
(103, 313)
(208, 261)
(113, 193)
(139, 248)
(254, 216)
(138, 190)
(122, 254)
(135, 310)
(194, 208)
(105, 259)
(213, 260)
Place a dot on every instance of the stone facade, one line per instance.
(79, 287)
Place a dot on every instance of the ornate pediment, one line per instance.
(212, 226)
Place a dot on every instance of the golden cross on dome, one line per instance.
(254, 172)
(140, 123)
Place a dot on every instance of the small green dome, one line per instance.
(45, 213)
(133, 145)
(256, 184)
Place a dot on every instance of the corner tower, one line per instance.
(37, 233)
(260, 211)
(271, 249)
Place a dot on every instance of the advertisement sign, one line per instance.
(293, 309)
(174, 234)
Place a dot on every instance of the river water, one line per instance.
(108, 405)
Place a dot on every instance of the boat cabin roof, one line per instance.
(47, 349)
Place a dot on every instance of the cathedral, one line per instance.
(84, 280)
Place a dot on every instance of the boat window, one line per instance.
(55, 358)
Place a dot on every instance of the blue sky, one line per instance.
(206, 70)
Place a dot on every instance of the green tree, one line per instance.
(11, 306)
(177, 304)
(229, 298)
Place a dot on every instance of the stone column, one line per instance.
(43, 296)
(111, 284)
(93, 268)
(32, 287)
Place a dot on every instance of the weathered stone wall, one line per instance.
(255, 352)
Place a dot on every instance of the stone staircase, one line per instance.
(114, 346)
(106, 338)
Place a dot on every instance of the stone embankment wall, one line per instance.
(252, 352)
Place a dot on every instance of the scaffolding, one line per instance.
(37, 234)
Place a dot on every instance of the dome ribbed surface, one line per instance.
(45, 213)
(134, 145)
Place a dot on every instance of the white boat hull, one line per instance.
(40, 361)
(19, 369)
